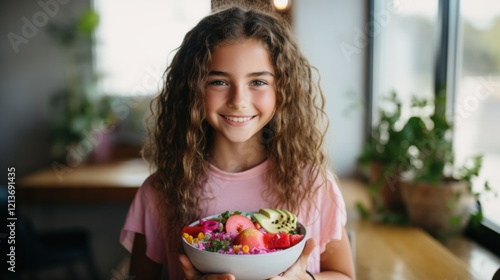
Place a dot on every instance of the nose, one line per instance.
(239, 97)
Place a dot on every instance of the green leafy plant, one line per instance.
(77, 108)
(430, 155)
(384, 144)
(431, 160)
(417, 149)
(382, 156)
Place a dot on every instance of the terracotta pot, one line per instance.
(434, 206)
(388, 187)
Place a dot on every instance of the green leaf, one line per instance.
(362, 210)
(487, 186)
(88, 22)
(476, 218)
(455, 220)
(225, 215)
(219, 244)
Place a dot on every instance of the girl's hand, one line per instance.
(192, 274)
(298, 269)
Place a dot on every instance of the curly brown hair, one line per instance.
(179, 144)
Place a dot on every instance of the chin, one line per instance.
(244, 139)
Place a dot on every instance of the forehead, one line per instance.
(242, 53)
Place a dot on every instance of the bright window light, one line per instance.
(281, 4)
(135, 40)
(477, 102)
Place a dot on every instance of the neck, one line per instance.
(237, 157)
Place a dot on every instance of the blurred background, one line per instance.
(76, 79)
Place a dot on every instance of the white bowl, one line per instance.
(245, 267)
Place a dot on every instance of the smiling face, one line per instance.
(240, 92)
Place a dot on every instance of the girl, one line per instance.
(237, 127)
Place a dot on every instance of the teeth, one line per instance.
(239, 120)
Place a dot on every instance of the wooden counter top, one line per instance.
(113, 181)
(393, 252)
(397, 252)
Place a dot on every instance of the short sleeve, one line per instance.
(143, 218)
(326, 219)
(333, 213)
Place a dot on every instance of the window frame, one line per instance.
(447, 66)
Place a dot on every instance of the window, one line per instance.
(477, 100)
(410, 40)
(404, 49)
(135, 39)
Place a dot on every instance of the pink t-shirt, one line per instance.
(233, 191)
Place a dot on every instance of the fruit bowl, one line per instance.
(245, 266)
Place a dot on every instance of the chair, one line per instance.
(39, 250)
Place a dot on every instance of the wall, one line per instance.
(327, 30)
(32, 69)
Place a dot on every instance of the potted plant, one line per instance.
(437, 192)
(382, 156)
(79, 111)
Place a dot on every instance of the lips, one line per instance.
(238, 119)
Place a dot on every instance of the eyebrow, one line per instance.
(253, 74)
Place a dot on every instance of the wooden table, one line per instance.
(395, 252)
(112, 181)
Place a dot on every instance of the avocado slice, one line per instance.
(293, 219)
(285, 221)
(268, 224)
(270, 213)
(276, 220)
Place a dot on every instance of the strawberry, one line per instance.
(295, 238)
(193, 231)
(277, 240)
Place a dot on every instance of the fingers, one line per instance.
(218, 277)
(298, 269)
(306, 252)
(188, 268)
(224, 277)
(190, 271)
